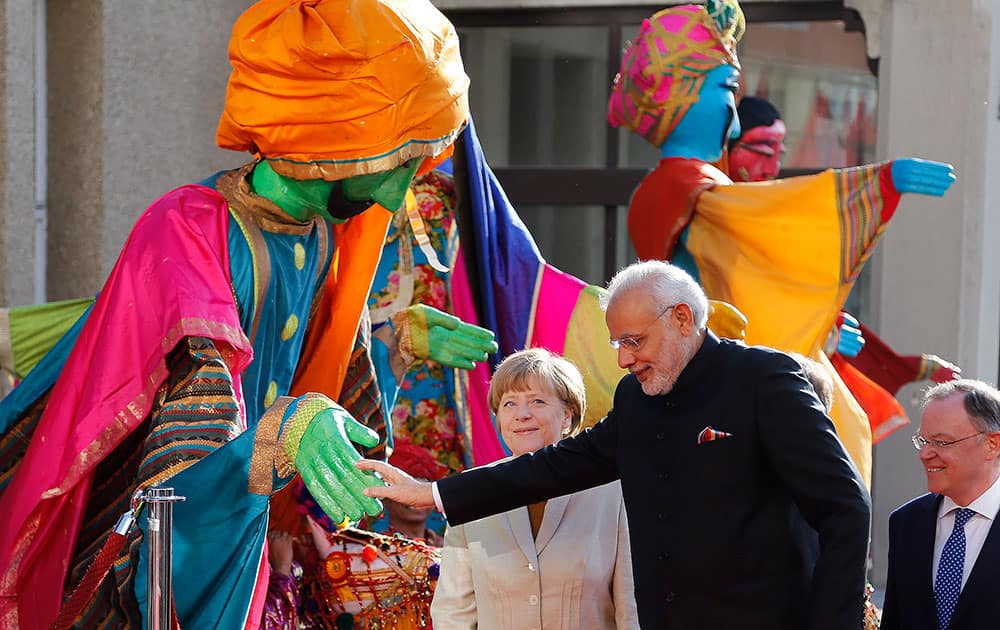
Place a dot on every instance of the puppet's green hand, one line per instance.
(324, 455)
(428, 333)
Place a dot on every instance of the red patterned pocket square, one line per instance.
(709, 434)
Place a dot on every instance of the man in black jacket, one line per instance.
(721, 450)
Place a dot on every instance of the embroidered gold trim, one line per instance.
(267, 451)
(262, 212)
(10, 617)
(334, 170)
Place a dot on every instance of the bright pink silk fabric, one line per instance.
(171, 281)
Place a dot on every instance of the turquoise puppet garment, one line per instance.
(282, 312)
(216, 563)
(219, 519)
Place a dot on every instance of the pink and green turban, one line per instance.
(663, 69)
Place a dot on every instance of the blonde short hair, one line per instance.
(549, 369)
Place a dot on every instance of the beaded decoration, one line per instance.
(373, 582)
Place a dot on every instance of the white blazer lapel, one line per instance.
(520, 526)
(554, 510)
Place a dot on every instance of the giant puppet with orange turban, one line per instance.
(786, 252)
(229, 325)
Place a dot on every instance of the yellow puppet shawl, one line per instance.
(787, 253)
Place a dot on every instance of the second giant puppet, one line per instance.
(867, 365)
(785, 252)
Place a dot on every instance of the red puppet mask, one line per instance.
(756, 156)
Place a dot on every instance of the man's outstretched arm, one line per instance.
(573, 464)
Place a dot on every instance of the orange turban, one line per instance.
(329, 89)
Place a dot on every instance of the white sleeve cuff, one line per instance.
(437, 499)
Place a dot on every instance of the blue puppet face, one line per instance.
(712, 121)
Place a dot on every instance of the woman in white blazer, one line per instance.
(561, 564)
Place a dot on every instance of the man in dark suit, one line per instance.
(719, 448)
(944, 547)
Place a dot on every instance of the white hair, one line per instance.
(667, 284)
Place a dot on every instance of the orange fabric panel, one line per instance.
(885, 414)
(332, 330)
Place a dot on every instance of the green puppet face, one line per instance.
(334, 201)
(388, 188)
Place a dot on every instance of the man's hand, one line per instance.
(427, 333)
(400, 487)
(325, 457)
(279, 548)
(913, 175)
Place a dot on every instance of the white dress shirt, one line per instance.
(985, 507)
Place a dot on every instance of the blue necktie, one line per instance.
(948, 583)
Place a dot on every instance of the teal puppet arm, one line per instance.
(424, 332)
(317, 435)
(913, 175)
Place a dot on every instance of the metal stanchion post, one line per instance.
(159, 589)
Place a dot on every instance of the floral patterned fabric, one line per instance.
(425, 412)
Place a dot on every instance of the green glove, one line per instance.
(317, 436)
(424, 332)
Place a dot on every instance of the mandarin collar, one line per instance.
(698, 365)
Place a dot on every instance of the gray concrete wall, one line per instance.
(135, 93)
(166, 68)
(937, 277)
(17, 178)
(75, 70)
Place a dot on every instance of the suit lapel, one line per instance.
(984, 574)
(554, 510)
(923, 546)
(520, 527)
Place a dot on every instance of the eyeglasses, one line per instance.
(634, 342)
(920, 441)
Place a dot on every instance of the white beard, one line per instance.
(663, 380)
